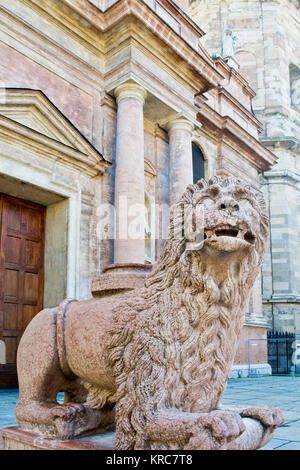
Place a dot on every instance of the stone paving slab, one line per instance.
(292, 445)
(283, 392)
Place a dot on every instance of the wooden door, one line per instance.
(22, 227)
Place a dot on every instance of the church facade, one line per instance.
(262, 39)
(107, 106)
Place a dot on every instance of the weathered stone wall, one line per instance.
(252, 346)
(284, 214)
(19, 71)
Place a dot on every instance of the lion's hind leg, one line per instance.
(41, 378)
(75, 419)
(39, 374)
(63, 421)
(86, 409)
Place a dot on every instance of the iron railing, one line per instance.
(284, 353)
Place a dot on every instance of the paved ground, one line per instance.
(283, 392)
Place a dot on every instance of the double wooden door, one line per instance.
(22, 227)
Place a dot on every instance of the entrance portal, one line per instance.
(22, 233)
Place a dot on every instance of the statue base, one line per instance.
(14, 438)
(119, 278)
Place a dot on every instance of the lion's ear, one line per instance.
(189, 223)
(193, 222)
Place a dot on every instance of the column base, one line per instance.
(119, 278)
(14, 438)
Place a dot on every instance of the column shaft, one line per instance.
(129, 180)
(180, 160)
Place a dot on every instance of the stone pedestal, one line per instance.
(119, 278)
(14, 438)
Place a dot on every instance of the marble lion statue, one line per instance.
(153, 363)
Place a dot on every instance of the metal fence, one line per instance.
(284, 353)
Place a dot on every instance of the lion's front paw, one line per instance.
(270, 416)
(215, 430)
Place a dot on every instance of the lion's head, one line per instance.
(234, 214)
(220, 219)
(174, 342)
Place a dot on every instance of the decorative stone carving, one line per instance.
(156, 360)
(228, 48)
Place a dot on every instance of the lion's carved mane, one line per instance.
(153, 363)
(173, 343)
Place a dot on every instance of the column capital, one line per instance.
(180, 123)
(130, 90)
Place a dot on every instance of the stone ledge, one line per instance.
(256, 320)
(284, 176)
(282, 298)
(120, 277)
(246, 370)
(14, 438)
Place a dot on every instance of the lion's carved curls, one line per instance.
(174, 343)
(155, 361)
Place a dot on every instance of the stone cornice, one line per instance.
(199, 60)
(236, 104)
(34, 44)
(50, 133)
(288, 142)
(282, 298)
(133, 38)
(282, 177)
(226, 127)
(19, 134)
(221, 64)
(56, 10)
(170, 4)
(253, 319)
(131, 70)
(196, 69)
(56, 14)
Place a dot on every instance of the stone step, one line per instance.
(14, 438)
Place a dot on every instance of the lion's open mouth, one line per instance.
(230, 232)
(227, 232)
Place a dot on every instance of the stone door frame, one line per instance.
(53, 164)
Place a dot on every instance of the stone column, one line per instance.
(129, 179)
(180, 159)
